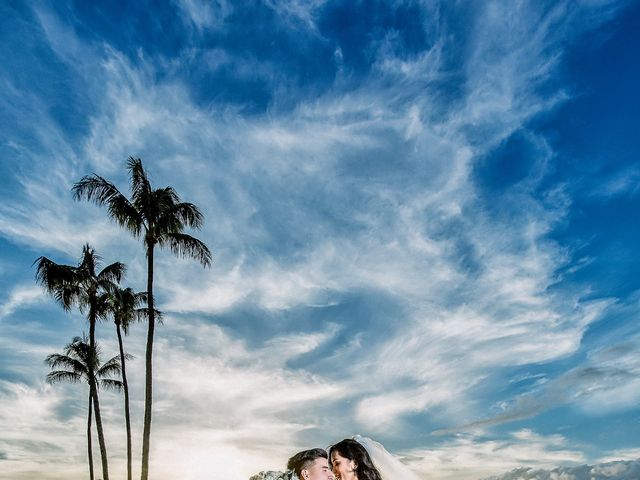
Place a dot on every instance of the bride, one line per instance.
(360, 458)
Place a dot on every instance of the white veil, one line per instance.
(389, 466)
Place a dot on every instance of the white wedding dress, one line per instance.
(389, 466)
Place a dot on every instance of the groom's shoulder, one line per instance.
(272, 475)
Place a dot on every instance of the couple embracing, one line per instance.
(356, 458)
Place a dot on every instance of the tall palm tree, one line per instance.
(125, 306)
(80, 361)
(159, 218)
(83, 285)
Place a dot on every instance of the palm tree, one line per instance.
(159, 217)
(80, 361)
(87, 288)
(125, 307)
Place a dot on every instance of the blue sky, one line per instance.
(423, 218)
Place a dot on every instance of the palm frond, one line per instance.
(89, 262)
(87, 355)
(168, 195)
(57, 280)
(124, 304)
(49, 273)
(111, 367)
(158, 207)
(137, 315)
(185, 246)
(139, 182)
(111, 384)
(103, 307)
(140, 298)
(113, 272)
(126, 215)
(60, 376)
(100, 191)
(189, 214)
(68, 362)
(81, 361)
(142, 314)
(96, 189)
(67, 295)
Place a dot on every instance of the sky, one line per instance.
(423, 216)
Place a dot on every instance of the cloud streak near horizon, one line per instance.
(420, 230)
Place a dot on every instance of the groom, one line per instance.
(311, 465)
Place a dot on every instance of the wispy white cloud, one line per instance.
(214, 397)
(34, 225)
(20, 296)
(409, 236)
(619, 470)
(468, 457)
(298, 13)
(218, 397)
(609, 380)
(33, 439)
(368, 192)
(205, 15)
(611, 377)
(622, 454)
(625, 182)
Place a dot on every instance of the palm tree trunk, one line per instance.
(127, 417)
(89, 451)
(148, 394)
(103, 446)
(94, 391)
(92, 325)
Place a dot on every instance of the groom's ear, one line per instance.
(305, 474)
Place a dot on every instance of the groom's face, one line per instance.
(318, 470)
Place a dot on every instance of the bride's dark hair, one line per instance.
(352, 450)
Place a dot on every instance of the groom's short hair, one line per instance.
(304, 459)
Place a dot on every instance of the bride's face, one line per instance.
(343, 468)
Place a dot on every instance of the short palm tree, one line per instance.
(158, 217)
(86, 286)
(81, 362)
(125, 306)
